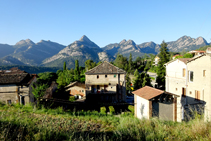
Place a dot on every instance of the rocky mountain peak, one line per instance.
(130, 42)
(27, 42)
(85, 39)
(201, 40)
(123, 41)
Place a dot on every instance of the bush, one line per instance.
(72, 98)
(131, 108)
(111, 110)
(103, 110)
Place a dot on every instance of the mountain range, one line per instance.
(52, 54)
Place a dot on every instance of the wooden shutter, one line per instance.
(184, 71)
(183, 92)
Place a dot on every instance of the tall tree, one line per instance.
(89, 64)
(77, 71)
(141, 80)
(128, 83)
(64, 66)
(130, 62)
(161, 70)
(121, 62)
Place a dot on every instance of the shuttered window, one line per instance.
(183, 92)
(183, 72)
(197, 95)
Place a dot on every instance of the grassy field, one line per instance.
(30, 123)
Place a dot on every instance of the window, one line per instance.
(9, 102)
(114, 75)
(82, 90)
(190, 92)
(105, 76)
(97, 76)
(197, 95)
(183, 72)
(191, 76)
(204, 73)
(184, 92)
(176, 89)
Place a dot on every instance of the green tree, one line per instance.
(141, 80)
(188, 55)
(121, 62)
(89, 64)
(128, 83)
(136, 73)
(39, 90)
(64, 66)
(130, 63)
(76, 71)
(161, 70)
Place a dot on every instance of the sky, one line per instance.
(104, 21)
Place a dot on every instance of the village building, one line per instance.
(190, 78)
(156, 60)
(16, 86)
(76, 89)
(197, 52)
(106, 83)
(152, 102)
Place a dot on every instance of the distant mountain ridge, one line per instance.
(52, 54)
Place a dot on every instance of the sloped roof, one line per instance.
(148, 92)
(185, 60)
(105, 68)
(15, 76)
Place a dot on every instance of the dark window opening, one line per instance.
(97, 76)
(105, 76)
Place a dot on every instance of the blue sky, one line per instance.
(103, 21)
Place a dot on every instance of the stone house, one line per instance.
(76, 89)
(106, 83)
(190, 78)
(152, 102)
(15, 86)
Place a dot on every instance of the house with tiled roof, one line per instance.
(190, 78)
(197, 52)
(152, 102)
(106, 83)
(76, 89)
(15, 86)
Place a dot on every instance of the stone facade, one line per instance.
(107, 82)
(15, 86)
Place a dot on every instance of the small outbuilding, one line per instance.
(76, 89)
(152, 102)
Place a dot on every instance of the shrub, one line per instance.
(72, 98)
(131, 108)
(103, 110)
(111, 110)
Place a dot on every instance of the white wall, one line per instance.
(175, 82)
(142, 108)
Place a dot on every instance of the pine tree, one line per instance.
(130, 62)
(136, 73)
(76, 71)
(64, 66)
(161, 70)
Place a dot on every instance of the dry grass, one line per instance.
(28, 123)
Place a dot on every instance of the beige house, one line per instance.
(76, 88)
(190, 78)
(106, 83)
(156, 60)
(197, 52)
(15, 86)
(152, 102)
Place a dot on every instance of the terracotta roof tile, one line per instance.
(148, 92)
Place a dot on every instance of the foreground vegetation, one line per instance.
(30, 123)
